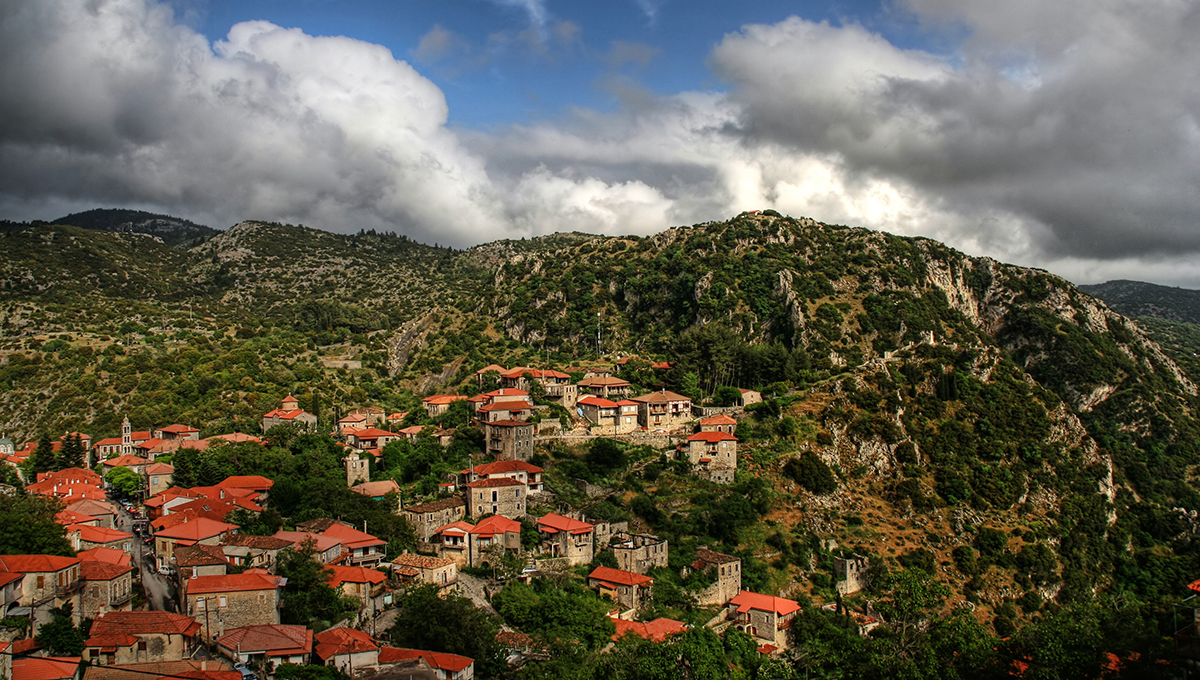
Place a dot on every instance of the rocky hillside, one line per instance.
(1139, 299)
(170, 230)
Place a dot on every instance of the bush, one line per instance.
(810, 472)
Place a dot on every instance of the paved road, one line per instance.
(159, 591)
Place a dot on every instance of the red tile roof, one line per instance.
(160, 469)
(342, 575)
(351, 537)
(712, 437)
(111, 642)
(197, 529)
(343, 641)
(178, 429)
(660, 397)
(273, 639)
(66, 517)
(440, 399)
(376, 489)
(45, 668)
(657, 630)
(597, 402)
(92, 570)
(457, 527)
(9, 576)
(506, 392)
(746, 600)
(94, 534)
(620, 577)
(253, 482)
(496, 524)
(145, 623)
(451, 663)
(554, 523)
(493, 483)
(512, 405)
(501, 467)
(103, 554)
(30, 564)
(720, 419)
(126, 461)
(246, 581)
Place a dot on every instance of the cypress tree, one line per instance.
(42, 459)
(71, 455)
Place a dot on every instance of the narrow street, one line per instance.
(159, 591)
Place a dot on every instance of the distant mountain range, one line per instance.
(1140, 299)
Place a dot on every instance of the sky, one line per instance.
(1059, 135)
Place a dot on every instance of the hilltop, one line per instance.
(990, 423)
(1140, 299)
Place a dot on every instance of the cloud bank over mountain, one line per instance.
(1062, 136)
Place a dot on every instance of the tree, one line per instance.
(308, 599)
(690, 387)
(124, 480)
(452, 625)
(71, 455)
(27, 526)
(42, 458)
(61, 637)
(553, 613)
(727, 395)
(810, 472)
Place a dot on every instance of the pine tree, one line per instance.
(71, 455)
(42, 459)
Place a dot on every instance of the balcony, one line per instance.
(121, 599)
(70, 587)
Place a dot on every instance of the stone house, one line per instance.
(258, 552)
(439, 571)
(453, 540)
(605, 387)
(220, 603)
(50, 581)
(427, 518)
(728, 572)
(639, 553)
(358, 469)
(492, 537)
(86, 537)
(158, 477)
(717, 423)
(409, 662)
(749, 397)
(713, 455)
(505, 410)
(370, 438)
(360, 582)
(663, 410)
(763, 617)
(103, 510)
(628, 589)
(289, 413)
(106, 588)
(438, 404)
(499, 496)
(10, 590)
(177, 432)
(568, 538)
(346, 649)
(191, 532)
(159, 636)
(851, 573)
(555, 384)
(509, 439)
(360, 548)
(609, 417)
(526, 473)
(199, 560)
(273, 644)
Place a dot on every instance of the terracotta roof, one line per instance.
(746, 600)
(111, 642)
(246, 581)
(451, 663)
(66, 517)
(720, 419)
(320, 542)
(177, 429)
(620, 577)
(259, 542)
(371, 433)
(145, 622)
(660, 397)
(435, 506)
(45, 668)
(597, 380)
(94, 534)
(10, 576)
(374, 489)
(197, 529)
(455, 527)
(92, 507)
(657, 630)
(343, 641)
(199, 555)
(504, 466)
(597, 402)
(29, 564)
(104, 554)
(145, 671)
(343, 574)
(207, 675)
(507, 392)
(508, 422)
(421, 561)
(91, 570)
(492, 367)
(254, 482)
(554, 523)
(352, 537)
(316, 526)
(496, 524)
(439, 399)
(512, 405)
(273, 639)
(70, 475)
(160, 469)
(109, 441)
(492, 483)
(712, 437)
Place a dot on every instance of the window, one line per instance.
(222, 603)
(200, 603)
(141, 645)
(41, 581)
